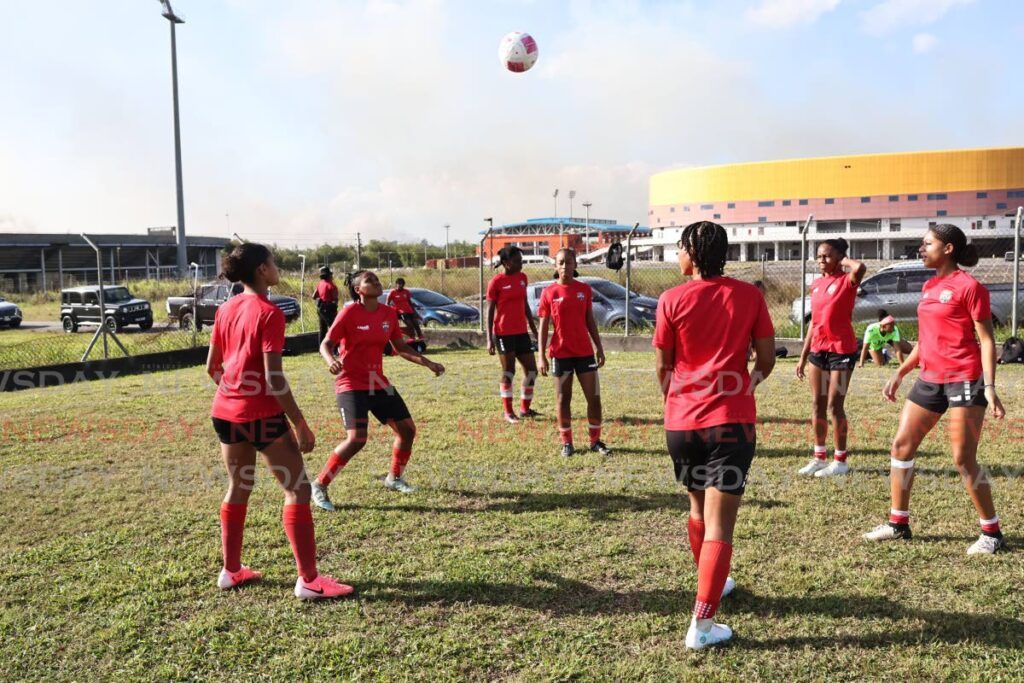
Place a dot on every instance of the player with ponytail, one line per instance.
(508, 314)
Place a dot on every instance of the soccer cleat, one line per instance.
(729, 586)
(321, 588)
(987, 545)
(529, 412)
(398, 484)
(889, 532)
(321, 498)
(567, 450)
(599, 447)
(228, 580)
(813, 466)
(834, 469)
(511, 419)
(697, 639)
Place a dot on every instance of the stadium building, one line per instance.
(882, 204)
(545, 236)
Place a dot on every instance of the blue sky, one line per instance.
(310, 120)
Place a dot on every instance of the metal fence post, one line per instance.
(484, 239)
(1014, 296)
(102, 331)
(629, 272)
(803, 274)
(302, 298)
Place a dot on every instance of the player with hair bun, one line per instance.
(508, 314)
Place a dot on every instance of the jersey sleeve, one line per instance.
(273, 332)
(867, 335)
(391, 298)
(544, 307)
(492, 289)
(217, 337)
(978, 300)
(337, 328)
(763, 326)
(664, 335)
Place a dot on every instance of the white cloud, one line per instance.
(785, 13)
(924, 42)
(890, 15)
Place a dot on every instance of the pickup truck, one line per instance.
(897, 289)
(210, 297)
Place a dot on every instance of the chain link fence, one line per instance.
(450, 293)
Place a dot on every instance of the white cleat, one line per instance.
(889, 532)
(320, 497)
(834, 469)
(398, 484)
(228, 580)
(729, 586)
(987, 545)
(813, 467)
(696, 639)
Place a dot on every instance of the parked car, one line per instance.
(211, 296)
(10, 314)
(897, 289)
(435, 308)
(609, 302)
(81, 306)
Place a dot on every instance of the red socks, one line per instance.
(566, 434)
(232, 524)
(695, 528)
(526, 399)
(331, 468)
(399, 459)
(298, 525)
(899, 516)
(506, 397)
(990, 527)
(595, 433)
(840, 456)
(712, 571)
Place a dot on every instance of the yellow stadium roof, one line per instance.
(845, 176)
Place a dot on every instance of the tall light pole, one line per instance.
(555, 197)
(572, 196)
(174, 19)
(587, 206)
(446, 227)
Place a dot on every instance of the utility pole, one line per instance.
(359, 251)
(446, 226)
(174, 20)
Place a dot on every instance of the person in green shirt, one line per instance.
(881, 334)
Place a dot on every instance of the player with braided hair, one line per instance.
(703, 331)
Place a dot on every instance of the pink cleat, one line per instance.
(228, 580)
(321, 588)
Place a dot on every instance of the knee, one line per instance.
(407, 431)
(819, 405)
(299, 493)
(902, 448)
(965, 462)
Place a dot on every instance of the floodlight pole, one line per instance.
(1015, 295)
(174, 20)
(803, 273)
(629, 272)
(587, 206)
(102, 331)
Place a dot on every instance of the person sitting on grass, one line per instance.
(878, 336)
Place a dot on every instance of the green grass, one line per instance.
(509, 563)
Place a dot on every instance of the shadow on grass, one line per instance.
(805, 452)
(599, 506)
(559, 596)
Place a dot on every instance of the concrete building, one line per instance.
(882, 204)
(545, 236)
(50, 261)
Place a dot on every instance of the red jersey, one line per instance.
(508, 292)
(327, 292)
(567, 306)
(244, 328)
(401, 300)
(949, 349)
(360, 336)
(708, 326)
(832, 300)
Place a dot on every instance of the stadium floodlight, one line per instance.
(169, 14)
(572, 196)
(173, 19)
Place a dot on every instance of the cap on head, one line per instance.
(888, 320)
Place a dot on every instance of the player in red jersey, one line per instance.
(566, 306)
(400, 299)
(326, 298)
(358, 336)
(958, 376)
(250, 413)
(831, 346)
(702, 335)
(508, 314)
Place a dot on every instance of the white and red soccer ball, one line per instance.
(518, 51)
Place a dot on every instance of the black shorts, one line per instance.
(581, 365)
(514, 343)
(260, 433)
(408, 318)
(385, 404)
(939, 398)
(714, 458)
(827, 360)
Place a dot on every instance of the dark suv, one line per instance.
(10, 314)
(211, 296)
(81, 306)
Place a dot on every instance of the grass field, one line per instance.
(509, 563)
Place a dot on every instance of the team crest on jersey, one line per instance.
(523, 283)
(580, 296)
(814, 291)
(832, 288)
(385, 326)
(945, 296)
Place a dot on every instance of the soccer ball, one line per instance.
(518, 52)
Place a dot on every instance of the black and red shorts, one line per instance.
(938, 398)
(578, 364)
(260, 433)
(514, 343)
(714, 458)
(385, 404)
